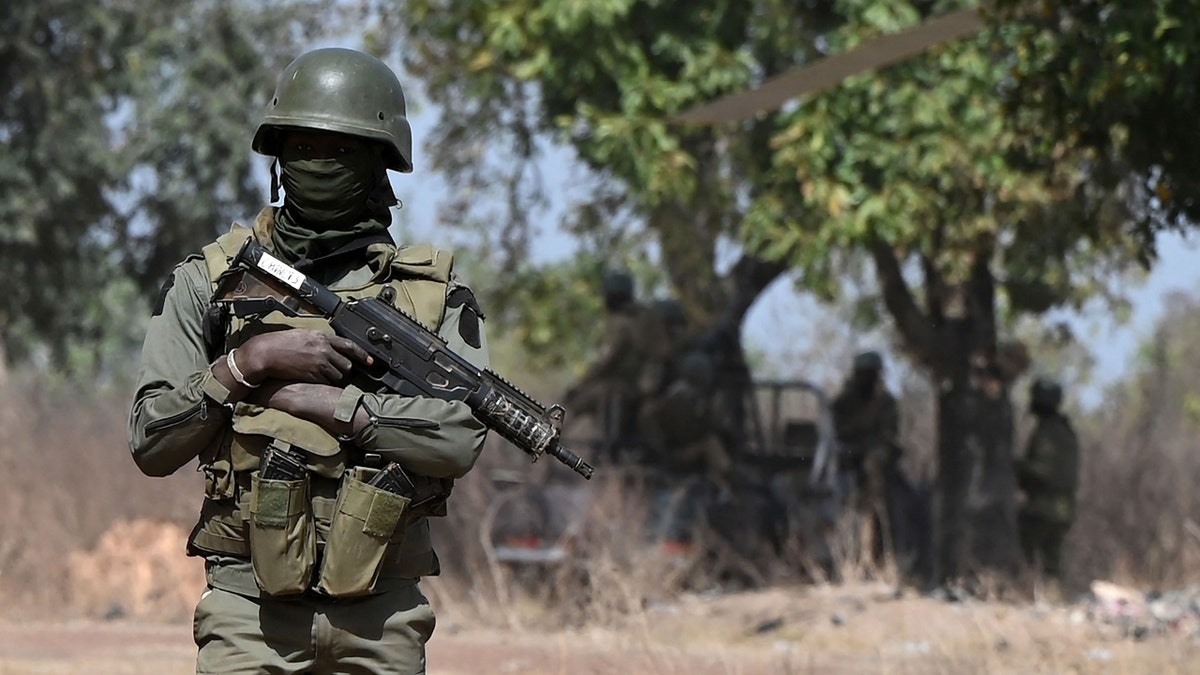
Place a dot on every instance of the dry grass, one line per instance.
(88, 536)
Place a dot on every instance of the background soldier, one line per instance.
(684, 449)
(613, 387)
(302, 576)
(1048, 475)
(867, 422)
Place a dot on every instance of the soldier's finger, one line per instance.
(343, 364)
(328, 374)
(348, 348)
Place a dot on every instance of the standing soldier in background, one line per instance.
(867, 421)
(685, 451)
(1048, 475)
(312, 567)
(613, 387)
(670, 335)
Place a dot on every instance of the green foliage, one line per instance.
(1117, 79)
(124, 138)
(604, 79)
(569, 329)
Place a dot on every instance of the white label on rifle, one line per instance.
(281, 271)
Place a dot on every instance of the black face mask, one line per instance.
(329, 202)
(330, 193)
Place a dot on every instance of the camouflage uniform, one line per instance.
(619, 377)
(684, 448)
(320, 574)
(1048, 475)
(867, 420)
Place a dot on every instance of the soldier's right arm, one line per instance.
(173, 419)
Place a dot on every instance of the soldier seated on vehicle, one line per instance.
(612, 387)
(685, 450)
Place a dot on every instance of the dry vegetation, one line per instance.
(87, 537)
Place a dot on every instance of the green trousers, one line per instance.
(375, 634)
(1042, 542)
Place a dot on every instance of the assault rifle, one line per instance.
(408, 358)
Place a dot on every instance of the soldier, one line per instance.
(316, 572)
(615, 382)
(1048, 475)
(685, 449)
(670, 334)
(866, 420)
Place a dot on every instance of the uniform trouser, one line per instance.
(1042, 542)
(383, 633)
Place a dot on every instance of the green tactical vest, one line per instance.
(420, 275)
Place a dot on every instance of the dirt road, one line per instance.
(827, 630)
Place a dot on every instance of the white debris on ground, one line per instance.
(1138, 615)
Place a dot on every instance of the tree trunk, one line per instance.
(954, 338)
(976, 483)
(956, 464)
(991, 503)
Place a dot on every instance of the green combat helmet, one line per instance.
(618, 288)
(343, 91)
(1045, 394)
(868, 362)
(671, 311)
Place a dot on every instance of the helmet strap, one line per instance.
(275, 180)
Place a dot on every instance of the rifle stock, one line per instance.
(408, 357)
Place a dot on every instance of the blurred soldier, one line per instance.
(667, 344)
(613, 386)
(1048, 475)
(867, 422)
(684, 448)
(310, 567)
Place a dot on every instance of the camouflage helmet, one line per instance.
(1045, 393)
(618, 286)
(343, 91)
(868, 362)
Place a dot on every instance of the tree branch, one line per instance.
(913, 325)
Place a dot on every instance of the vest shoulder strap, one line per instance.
(424, 272)
(217, 254)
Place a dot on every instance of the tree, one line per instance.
(603, 78)
(124, 132)
(979, 199)
(933, 177)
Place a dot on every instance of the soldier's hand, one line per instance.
(299, 355)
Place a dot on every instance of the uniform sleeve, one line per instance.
(172, 419)
(426, 435)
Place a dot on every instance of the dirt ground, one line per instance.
(826, 629)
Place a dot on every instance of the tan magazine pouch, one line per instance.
(282, 535)
(364, 520)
